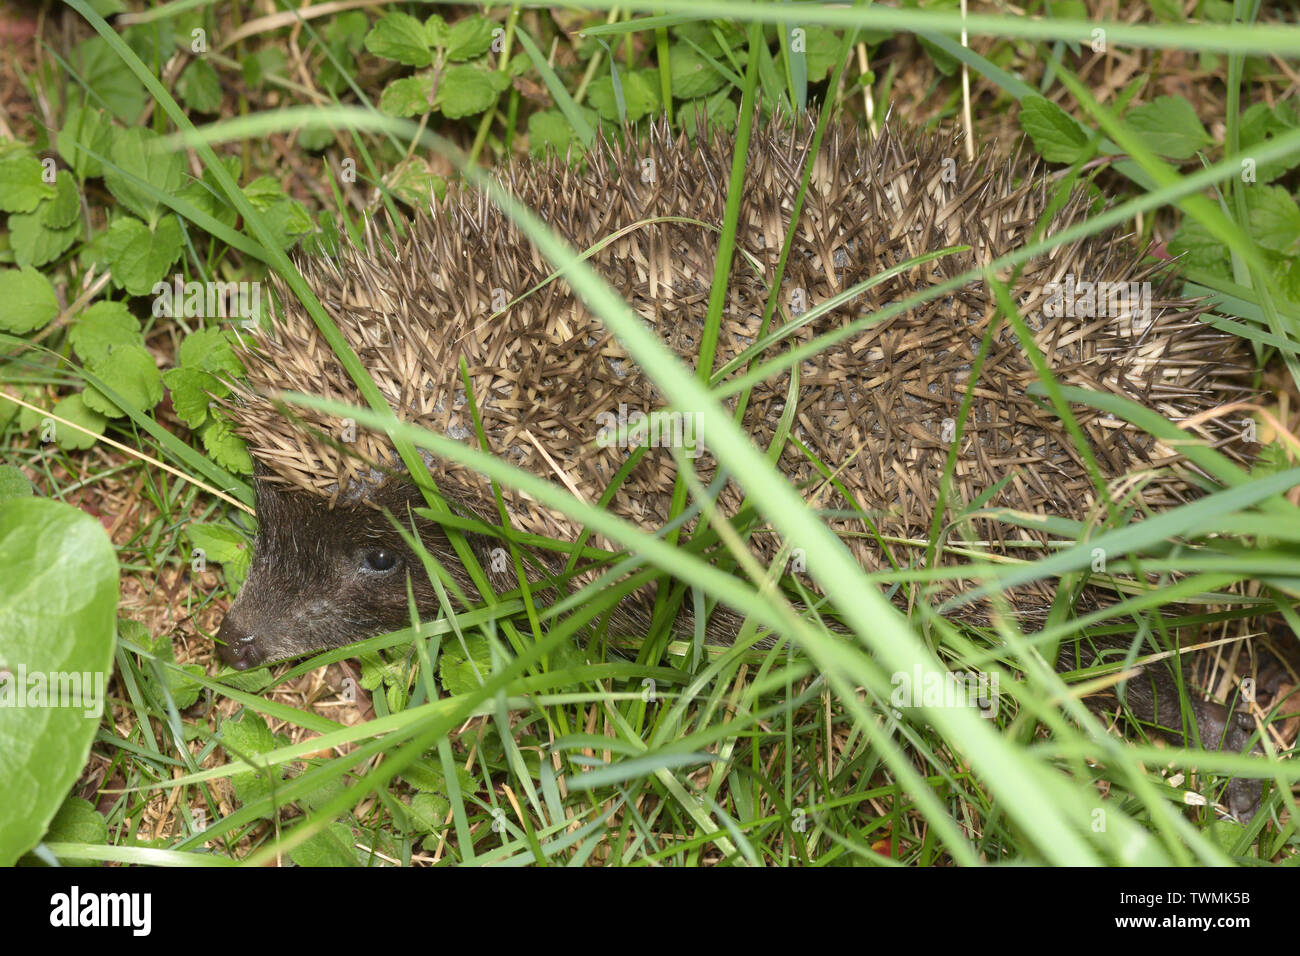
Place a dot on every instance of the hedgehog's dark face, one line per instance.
(323, 577)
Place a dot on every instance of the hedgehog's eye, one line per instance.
(380, 559)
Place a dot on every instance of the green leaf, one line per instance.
(1069, 9)
(22, 184)
(1057, 136)
(692, 75)
(180, 688)
(101, 327)
(549, 131)
(73, 408)
(315, 138)
(426, 774)
(427, 812)
(325, 791)
(1288, 277)
(400, 37)
(409, 96)
(640, 92)
(1260, 124)
(287, 218)
(436, 31)
(467, 90)
(248, 738)
(414, 182)
(226, 448)
(131, 372)
(704, 34)
(140, 152)
(108, 8)
(62, 211)
(58, 603)
(721, 115)
(78, 822)
(332, 846)
(210, 350)
(138, 257)
(208, 196)
(823, 47)
(200, 87)
(254, 680)
(375, 671)
(34, 243)
(1170, 11)
(461, 674)
(27, 300)
(260, 66)
(13, 483)
(469, 38)
(1169, 127)
(112, 81)
(152, 42)
(347, 31)
(1198, 248)
(1274, 218)
(190, 389)
(221, 543)
(85, 129)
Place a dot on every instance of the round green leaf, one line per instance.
(102, 326)
(131, 372)
(227, 449)
(103, 71)
(58, 601)
(85, 130)
(35, 243)
(27, 300)
(190, 398)
(822, 47)
(139, 152)
(693, 76)
(138, 257)
(78, 822)
(640, 94)
(332, 846)
(409, 96)
(414, 182)
(13, 483)
(549, 131)
(469, 38)
(1058, 136)
(22, 184)
(1169, 126)
(400, 37)
(74, 409)
(200, 87)
(62, 211)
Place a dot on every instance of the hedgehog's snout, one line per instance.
(236, 645)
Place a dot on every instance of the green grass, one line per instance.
(668, 752)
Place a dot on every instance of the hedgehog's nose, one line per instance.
(238, 649)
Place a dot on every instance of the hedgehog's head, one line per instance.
(323, 577)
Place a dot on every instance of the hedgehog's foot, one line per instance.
(1231, 731)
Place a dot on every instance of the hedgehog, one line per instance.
(555, 393)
